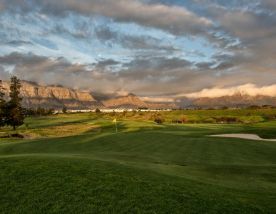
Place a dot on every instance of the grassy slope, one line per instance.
(144, 168)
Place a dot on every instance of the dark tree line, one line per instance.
(39, 111)
(2, 104)
(11, 111)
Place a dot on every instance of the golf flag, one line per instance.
(115, 121)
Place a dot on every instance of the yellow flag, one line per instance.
(114, 121)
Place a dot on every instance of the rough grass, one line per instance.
(246, 116)
(145, 168)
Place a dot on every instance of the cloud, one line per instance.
(177, 20)
(158, 64)
(160, 77)
(44, 70)
(158, 99)
(3, 74)
(141, 76)
(105, 33)
(17, 43)
(133, 42)
(59, 71)
(247, 89)
(103, 50)
(270, 4)
(248, 25)
(253, 27)
(106, 63)
(2, 6)
(17, 58)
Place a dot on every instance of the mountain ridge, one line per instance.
(56, 97)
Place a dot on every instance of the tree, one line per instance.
(13, 111)
(158, 119)
(98, 111)
(64, 110)
(2, 104)
(1, 91)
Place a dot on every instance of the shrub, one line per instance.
(251, 119)
(64, 110)
(269, 117)
(184, 119)
(209, 120)
(176, 121)
(134, 112)
(124, 113)
(226, 119)
(159, 120)
(113, 113)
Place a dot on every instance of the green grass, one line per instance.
(246, 116)
(145, 168)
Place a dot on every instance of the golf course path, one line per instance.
(243, 136)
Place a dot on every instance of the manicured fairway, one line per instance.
(78, 164)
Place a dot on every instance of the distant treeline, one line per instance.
(39, 111)
(218, 116)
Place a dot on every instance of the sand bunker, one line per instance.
(243, 136)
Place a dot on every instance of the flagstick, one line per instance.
(115, 121)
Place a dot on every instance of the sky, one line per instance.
(157, 49)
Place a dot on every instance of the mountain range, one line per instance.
(56, 97)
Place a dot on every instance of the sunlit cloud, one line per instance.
(151, 48)
(247, 89)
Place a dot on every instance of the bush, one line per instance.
(209, 120)
(124, 113)
(269, 117)
(38, 112)
(113, 113)
(159, 120)
(64, 110)
(227, 119)
(134, 112)
(183, 119)
(251, 119)
(176, 121)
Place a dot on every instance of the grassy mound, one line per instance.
(145, 168)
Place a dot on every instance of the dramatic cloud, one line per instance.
(1, 6)
(158, 49)
(270, 4)
(158, 99)
(248, 89)
(48, 71)
(171, 18)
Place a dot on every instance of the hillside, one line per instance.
(56, 97)
(237, 100)
(128, 101)
(77, 163)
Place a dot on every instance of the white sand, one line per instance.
(243, 136)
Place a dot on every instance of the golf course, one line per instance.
(78, 163)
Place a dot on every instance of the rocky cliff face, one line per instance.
(129, 101)
(57, 97)
(132, 101)
(54, 97)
